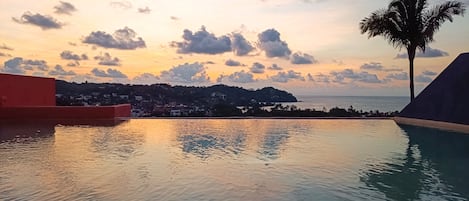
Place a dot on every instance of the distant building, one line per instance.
(137, 113)
(138, 98)
(175, 113)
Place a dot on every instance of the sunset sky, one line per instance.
(307, 47)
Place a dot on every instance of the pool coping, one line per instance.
(461, 128)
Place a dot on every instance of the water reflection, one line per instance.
(434, 166)
(25, 130)
(272, 142)
(231, 138)
(205, 142)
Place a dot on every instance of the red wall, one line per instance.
(65, 112)
(17, 90)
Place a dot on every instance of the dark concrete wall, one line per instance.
(17, 90)
(446, 98)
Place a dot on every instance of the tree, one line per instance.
(410, 24)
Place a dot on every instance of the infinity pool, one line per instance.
(232, 159)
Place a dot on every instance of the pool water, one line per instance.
(232, 159)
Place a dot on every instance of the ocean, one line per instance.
(365, 103)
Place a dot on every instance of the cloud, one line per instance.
(377, 66)
(73, 64)
(202, 42)
(19, 65)
(300, 58)
(257, 68)
(69, 55)
(64, 8)
(145, 10)
(349, 74)
(270, 42)
(393, 70)
(310, 77)
(322, 78)
(124, 39)
(146, 78)
(238, 77)
(174, 18)
(111, 73)
(4, 54)
(209, 62)
(5, 47)
(121, 4)
(44, 21)
(59, 71)
(338, 62)
(39, 64)
(186, 73)
(372, 66)
(429, 73)
(231, 62)
(423, 79)
(284, 77)
(275, 67)
(429, 53)
(398, 76)
(241, 46)
(107, 60)
(13, 66)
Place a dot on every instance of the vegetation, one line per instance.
(410, 24)
(280, 110)
(108, 94)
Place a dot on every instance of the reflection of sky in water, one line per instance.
(250, 159)
(205, 142)
(433, 166)
(272, 142)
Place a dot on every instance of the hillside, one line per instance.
(107, 93)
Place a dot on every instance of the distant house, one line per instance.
(124, 96)
(138, 98)
(87, 97)
(137, 113)
(175, 113)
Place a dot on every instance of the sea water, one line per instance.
(364, 103)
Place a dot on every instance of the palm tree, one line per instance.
(410, 24)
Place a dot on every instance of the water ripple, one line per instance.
(235, 160)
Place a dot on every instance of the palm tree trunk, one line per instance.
(411, 54)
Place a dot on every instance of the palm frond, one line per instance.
(435, 17)
(374, 23)
(421, 5)
(399, 6)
